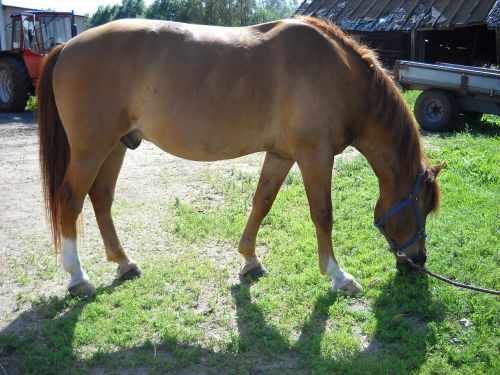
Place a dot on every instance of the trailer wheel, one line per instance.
(15, 85)
(435, 110)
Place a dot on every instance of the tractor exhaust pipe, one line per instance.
(74, 28)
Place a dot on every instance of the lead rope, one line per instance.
(448, 281)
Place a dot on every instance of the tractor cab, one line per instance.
(40, 31)
(32, 35)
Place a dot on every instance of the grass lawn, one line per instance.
(191, 313)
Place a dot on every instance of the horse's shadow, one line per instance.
(475, 127)
(402, 312)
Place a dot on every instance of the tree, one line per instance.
(209, 12)
(169, 10)
(269, 10)
(104, 14)
(127, 9)
(130, 9)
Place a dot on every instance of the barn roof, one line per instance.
(403, 15)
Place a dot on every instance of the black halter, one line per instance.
(412, 199)
(399, 250)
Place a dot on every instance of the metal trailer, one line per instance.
(2, 29)
(448, 90)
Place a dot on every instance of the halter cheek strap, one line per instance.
(413, 200)
(399, 249)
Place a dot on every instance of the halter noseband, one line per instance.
(399, 250)
(412, 199)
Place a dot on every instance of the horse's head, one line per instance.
(403, 222)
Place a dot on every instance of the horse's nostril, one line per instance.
(418, 259)
(421, 259)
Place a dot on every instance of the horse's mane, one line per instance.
(389, 106)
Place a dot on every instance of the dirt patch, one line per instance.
(150, 179)
(359, 305)
(368, 345)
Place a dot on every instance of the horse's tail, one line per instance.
(54, 150)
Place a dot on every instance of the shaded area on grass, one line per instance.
(486, 125)
(289, 322)
(44, 339)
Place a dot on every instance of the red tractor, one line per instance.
(33, 35)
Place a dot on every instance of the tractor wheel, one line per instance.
(435, 110)
(15, 85)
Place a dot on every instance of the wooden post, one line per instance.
(413, 48)
(497, 32)
(421, 45)
(474, 45)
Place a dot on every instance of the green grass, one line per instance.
(190, 311)
(31, 104)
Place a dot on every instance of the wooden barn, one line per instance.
(463, 32)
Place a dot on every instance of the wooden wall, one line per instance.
(390, 46)
(474, 45)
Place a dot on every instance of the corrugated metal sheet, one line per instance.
(403, 15)
(493, 18)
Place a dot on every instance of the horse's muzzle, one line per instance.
(418, 259)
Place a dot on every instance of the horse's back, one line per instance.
(200, 92)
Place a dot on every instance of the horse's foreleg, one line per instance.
(101, 194)
(317, 175)
(79, 176)
(274, 172)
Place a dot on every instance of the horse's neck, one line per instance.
(395, 179)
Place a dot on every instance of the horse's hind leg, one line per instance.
(101, 195)
(79, 176)
(317, 175)
(274, 172)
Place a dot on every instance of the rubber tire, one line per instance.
(17, 95)
(435, 110)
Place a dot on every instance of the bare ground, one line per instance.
(149, 178)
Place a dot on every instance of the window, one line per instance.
(55, 30)
(30, 41)
(16, 33)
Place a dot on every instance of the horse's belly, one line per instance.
(207, 144)
(207, 152)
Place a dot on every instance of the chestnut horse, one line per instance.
(299, 89)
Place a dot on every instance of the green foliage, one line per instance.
(104, 14)
(169, 10)
(209, 12)
(190, 313)
(130, 9)
(31, 104)
(107, 13)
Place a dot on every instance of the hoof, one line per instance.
(352, 288)
(131, 274)
(253, 268)
(255, 272)
(83, 290)
(348, 286)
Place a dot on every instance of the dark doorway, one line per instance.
(474, 45)
(390, 46)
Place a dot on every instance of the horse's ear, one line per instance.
(437, 168)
